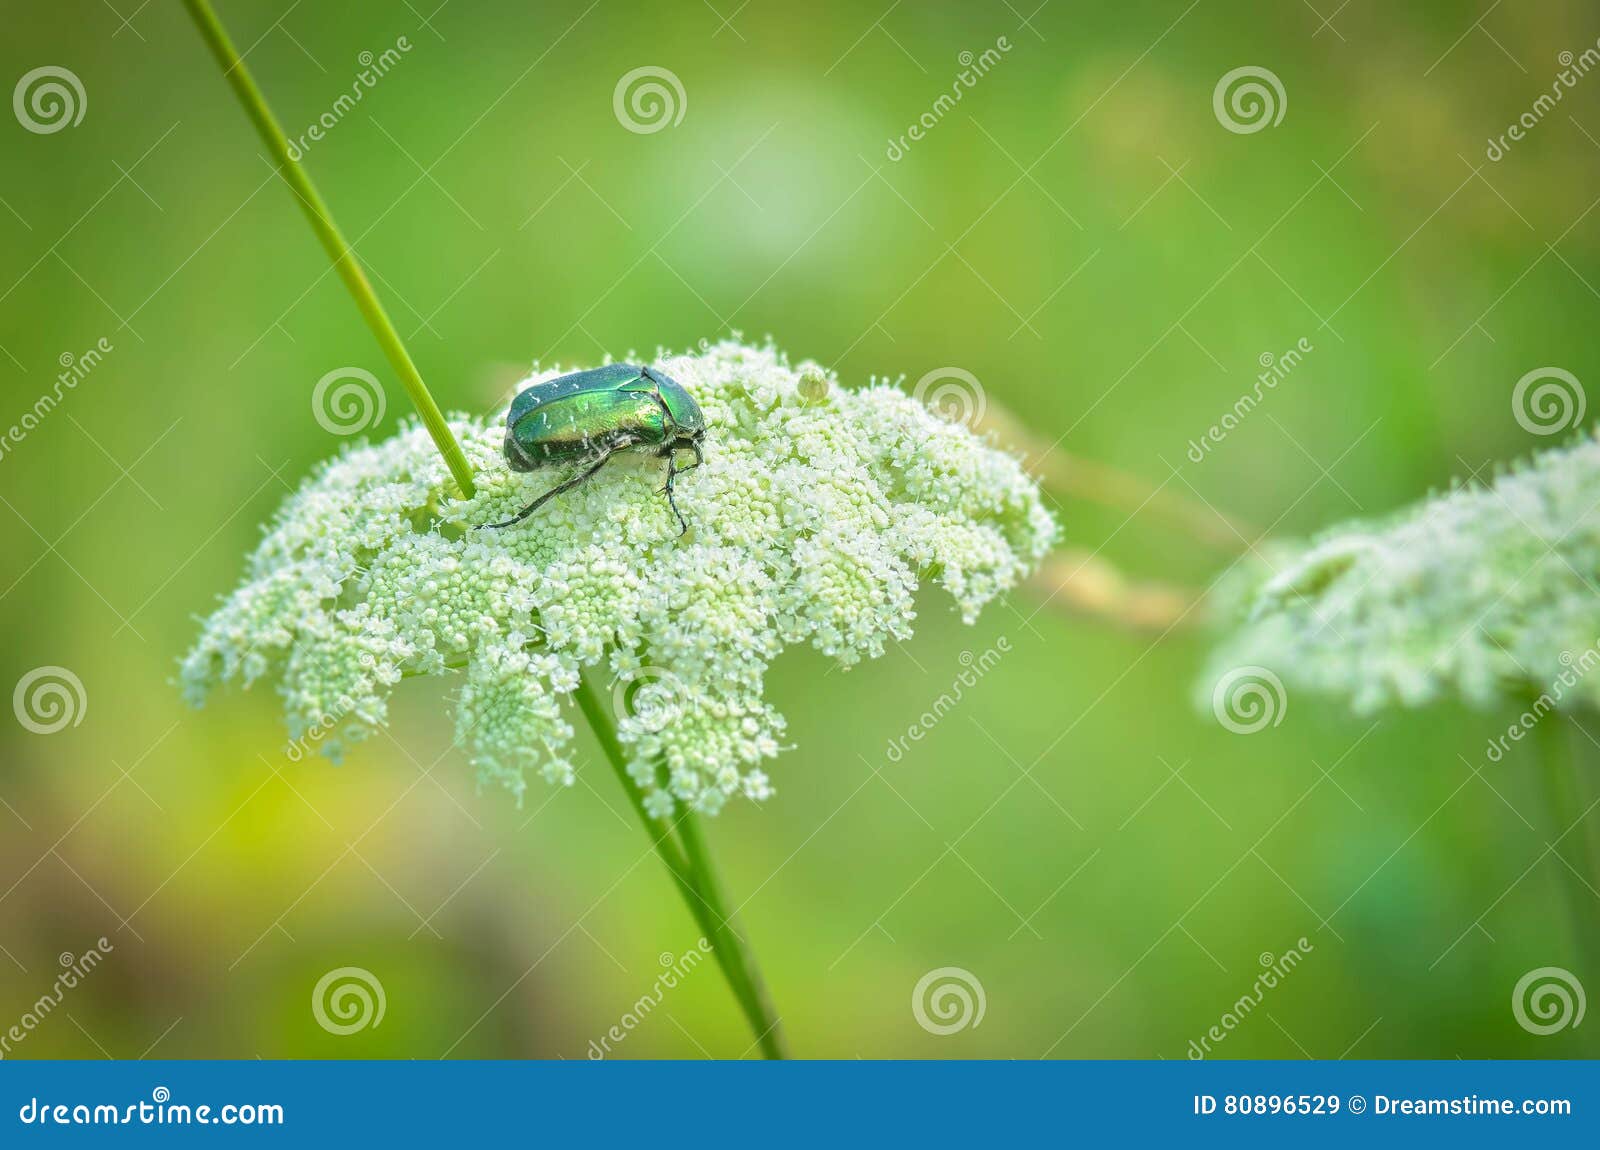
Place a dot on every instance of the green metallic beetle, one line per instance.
(589, 416)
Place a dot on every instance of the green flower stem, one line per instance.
(709, 884)
(696, 881)
(340, 252)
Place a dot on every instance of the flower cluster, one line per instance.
(1485, 593)
(813, 517)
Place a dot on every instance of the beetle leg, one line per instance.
(671, 453)
(553, 492)
(672, 475)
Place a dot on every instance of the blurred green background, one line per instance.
(1080, 233)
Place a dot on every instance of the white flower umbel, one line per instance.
(815, 514)
(1486, 593)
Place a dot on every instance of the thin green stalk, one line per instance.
(709, 884)
(696, 881)
(342, 255)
